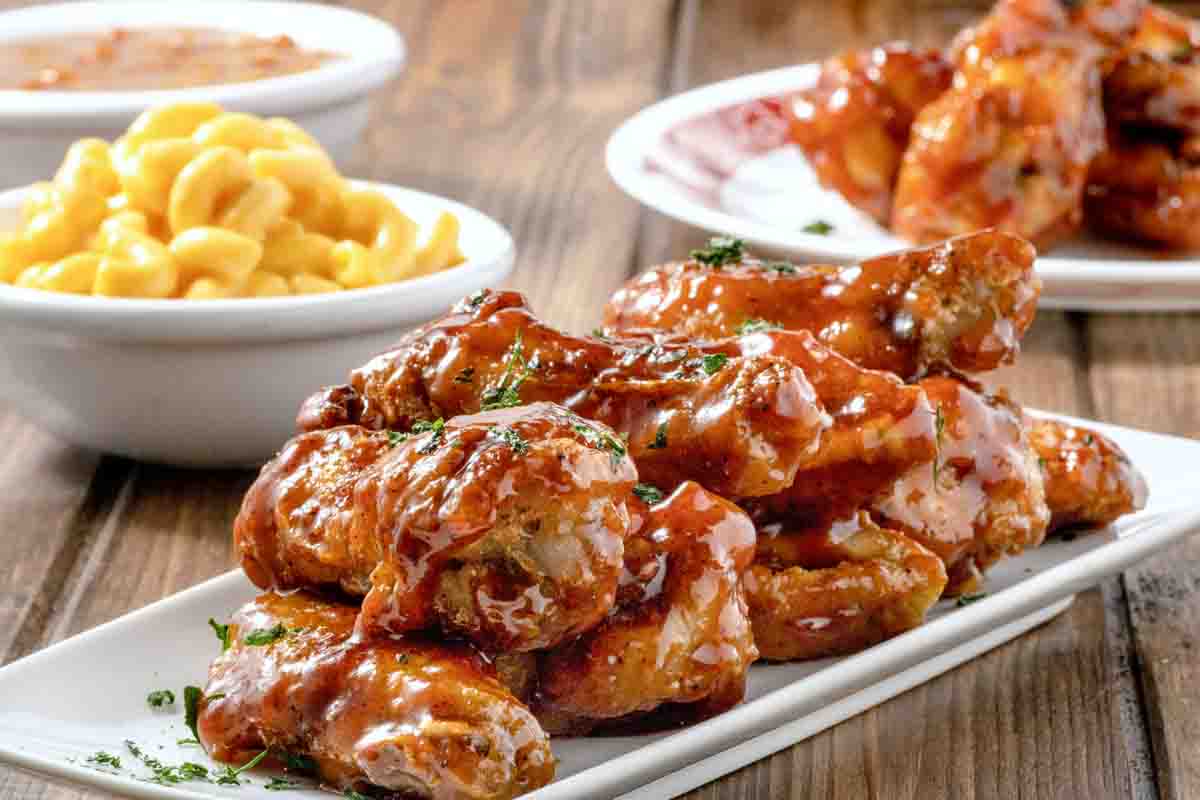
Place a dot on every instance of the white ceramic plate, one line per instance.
(687, 160)
(87, 694)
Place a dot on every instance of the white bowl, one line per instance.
(214, 383)
(330, 102)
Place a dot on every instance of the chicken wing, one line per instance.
(981, 497)
(962, 304)
(677, 646)
(837, 589)
(1154, 80)
(738, 426)
(1089, 479)
(853, 123)
(1146, 188)
(505, 527)
(410, 716)
(1008, 145)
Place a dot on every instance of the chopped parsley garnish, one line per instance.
(467, 375)
(782, 267)
(187, 742)
(229, 777)
(1089, 440)
(660, 438)
(191, 698)
(350, 794)
(756, 326)
(396, 437)
(264, 636)
(437, 428)
(279, 785)
(165, 773)
(648, 494)
(967, 599)
(160, 698)
(507, 393)
(297, 763)
(818, 226)
(712, 363)
(105, 760)
(601, 440)
(476, 299)
(511, 438)
(222, 632)
(721, 250)
(598, 333)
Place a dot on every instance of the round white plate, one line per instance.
(683, 158)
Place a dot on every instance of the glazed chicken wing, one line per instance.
(837, 589)
(1154, 80)
(853, 123)
(981, 497)
(962, 304)
(505, 527)
(678, 643)
(409, 716)
(1089, 479)
(739, 426)
(1008, 146)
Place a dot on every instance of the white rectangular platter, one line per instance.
(88, 693)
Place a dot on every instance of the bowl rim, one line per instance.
(377, 55)
(297, 317)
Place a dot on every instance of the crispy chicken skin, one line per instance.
(1089, 479)
(678, 643)
(1154, 80)
(837, 589)
(1008, 145)
(853, 123)
(739, 427)
(505, 527)
(981, 497)
(424, 719)
(962, 304)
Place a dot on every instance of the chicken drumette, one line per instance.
(962, 304)
(505, 527)
(409, 716)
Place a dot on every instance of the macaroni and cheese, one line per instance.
(194, 202)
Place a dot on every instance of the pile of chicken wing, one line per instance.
(1044, 116)
(496, 531)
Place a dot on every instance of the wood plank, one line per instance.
(505, 106)
(1020, 720)
(1146, 373)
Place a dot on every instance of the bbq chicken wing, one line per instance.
(853, 123)
(739, 426)
(837, 589)
(505, 527)
(1154, 80)
(981, 497)
(962, 304)
(408, 716)
(1009, 144)
(1089, 479)
(677, 645)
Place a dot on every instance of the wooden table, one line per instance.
(506, 105)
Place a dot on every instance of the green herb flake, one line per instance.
(967, 599)
(222, 632)
(467, 375)
(350, 794)
(819, 227)
(187, 742)
(396, 438)
(602, 440)
(437, 428)
(1089, 440)
(165, 774)
(476, 300)
(648, 494)
(279, 785)
(191, 699)
(507, 393)
(510, 437)
(297, 763)
(104, 759)
(264, 636)
(712, 363)
(782, 267)
(939, 427)
(598, 333)
(756, 326)
(721, 250)
(660, 438)
(160, 698)
(229, 777)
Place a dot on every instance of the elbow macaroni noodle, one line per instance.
(194, 202)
